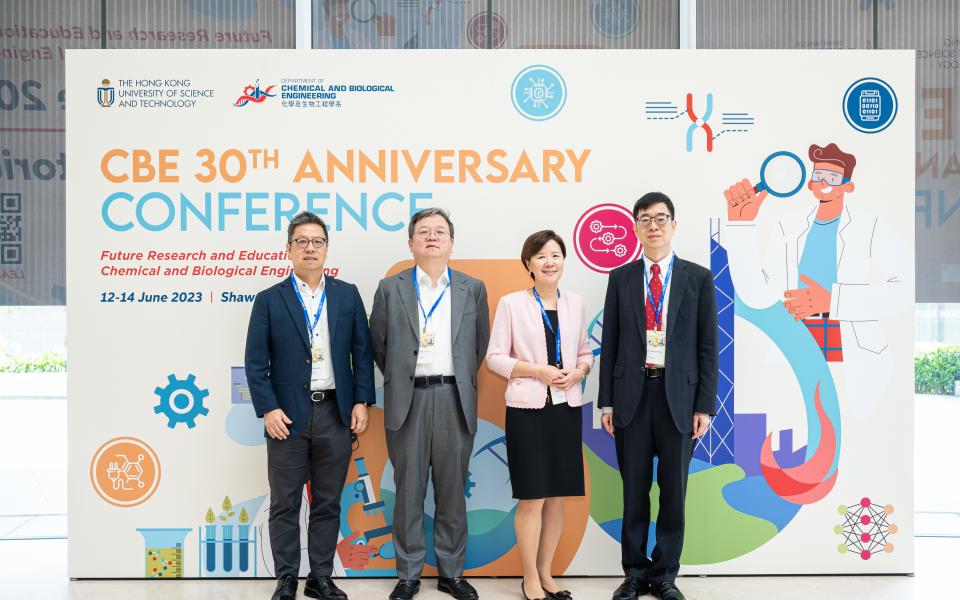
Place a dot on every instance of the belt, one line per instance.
(433, 380)
(321, 395)
(654, 372)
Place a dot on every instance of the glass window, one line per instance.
(589, 23)
(785, 24)
(253, 24)
(399, 24)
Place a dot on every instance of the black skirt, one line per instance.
(543, 451)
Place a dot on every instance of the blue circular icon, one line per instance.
(615, 18)
(538, 92)
(870, 105)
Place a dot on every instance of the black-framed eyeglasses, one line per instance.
(660, 219)
(318, 243)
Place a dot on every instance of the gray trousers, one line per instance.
(321, 454)
(434, 440)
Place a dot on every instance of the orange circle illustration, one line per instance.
(125, 471)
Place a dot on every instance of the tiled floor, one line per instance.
(36, 570)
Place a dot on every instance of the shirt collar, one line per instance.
(424, 279)
(664, 264)
(306, 288)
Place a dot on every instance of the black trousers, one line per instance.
(652, 433)
(321, 454)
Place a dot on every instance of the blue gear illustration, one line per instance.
(181, 401)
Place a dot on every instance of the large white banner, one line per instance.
(186, 167)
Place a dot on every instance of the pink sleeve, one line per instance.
(584, 354)
(499, 359)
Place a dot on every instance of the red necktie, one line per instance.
(656, 286)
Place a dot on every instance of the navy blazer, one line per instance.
(692, 359)
(277, 358)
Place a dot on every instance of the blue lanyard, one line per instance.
(311, 325)
(658, 305)
(546, 320)
(416, 286)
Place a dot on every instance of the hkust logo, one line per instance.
(106, 94)
(253, 93)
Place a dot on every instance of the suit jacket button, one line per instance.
(308, 361)
(415, 351)
(305, 386)
(411, 377)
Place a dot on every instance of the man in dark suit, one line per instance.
(430, 328)
(309, 364)
(658, 388)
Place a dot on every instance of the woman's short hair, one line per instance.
(535, 242)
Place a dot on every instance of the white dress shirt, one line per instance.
(321, 374)
(648, 273)
(439, 323)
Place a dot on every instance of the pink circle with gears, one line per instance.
(604, 239)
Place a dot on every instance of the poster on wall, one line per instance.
(188, 166)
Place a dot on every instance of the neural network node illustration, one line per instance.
(866, 529)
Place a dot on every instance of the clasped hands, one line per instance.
(562, 379)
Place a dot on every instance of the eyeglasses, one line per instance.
(660, 219)
(318, 243)
(828, 175)
(424, 233)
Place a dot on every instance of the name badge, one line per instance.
(428, 341)
(559, 396)
(317, 353)
(656, 347)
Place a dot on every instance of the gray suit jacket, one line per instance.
(395, 325)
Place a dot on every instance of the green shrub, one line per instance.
(48, 362)
(936, 371)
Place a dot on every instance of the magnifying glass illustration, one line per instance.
(778, 172)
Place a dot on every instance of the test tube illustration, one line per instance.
(211, 537)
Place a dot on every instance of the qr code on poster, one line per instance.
(11, 229)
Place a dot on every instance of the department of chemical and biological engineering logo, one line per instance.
(253, 93)
(106, 95)
(538, 92)
(870, 105)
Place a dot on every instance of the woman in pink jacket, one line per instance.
(539, 343)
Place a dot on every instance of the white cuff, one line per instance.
(607, 410)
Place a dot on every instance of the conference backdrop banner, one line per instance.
(188, 165)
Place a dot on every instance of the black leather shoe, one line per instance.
(405, 589)
(631, 589)
(666, 591)
(323, 588)
(458, 587)
(286, 588)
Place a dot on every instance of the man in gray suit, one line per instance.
(430, 328)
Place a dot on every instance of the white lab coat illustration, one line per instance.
(873, 280)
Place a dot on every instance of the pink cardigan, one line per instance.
(518, 334)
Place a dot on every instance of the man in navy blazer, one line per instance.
(309, 363)
(658, 390)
